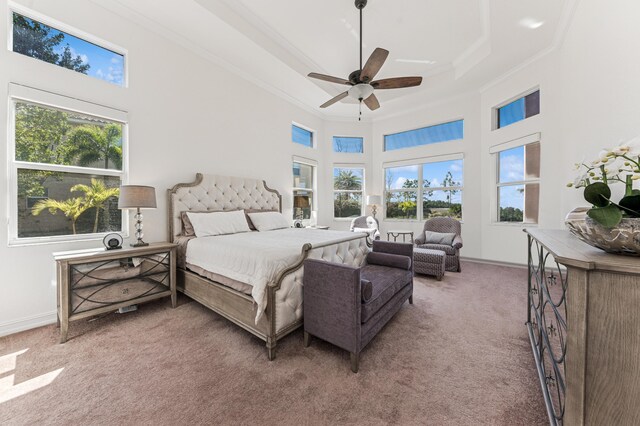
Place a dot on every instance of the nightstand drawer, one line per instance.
(97, 296)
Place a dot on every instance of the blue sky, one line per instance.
(512, 170)
(301, 136)
(347, 144)
(511, 113)
(104, 64)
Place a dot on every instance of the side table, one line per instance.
(97, 281)
(396, 235)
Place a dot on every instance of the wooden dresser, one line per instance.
(584, 326)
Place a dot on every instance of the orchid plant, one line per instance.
(617, 165)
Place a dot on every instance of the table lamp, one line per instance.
(373, 201)
(137, 197)
(301, 202)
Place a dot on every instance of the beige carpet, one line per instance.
(458, 356)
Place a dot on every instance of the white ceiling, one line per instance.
(457, 46)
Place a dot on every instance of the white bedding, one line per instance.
(256, 258)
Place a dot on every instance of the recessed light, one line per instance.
(531, 23)
(416, 61)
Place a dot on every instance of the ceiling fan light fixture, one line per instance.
(361, 91)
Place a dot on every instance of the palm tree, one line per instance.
(96, 195)
(345, 180)
(89, 144)
(71, 208)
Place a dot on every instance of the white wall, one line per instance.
(187, 115)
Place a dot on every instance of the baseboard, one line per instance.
(27, 323)
(493, 262)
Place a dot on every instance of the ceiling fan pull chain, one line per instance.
(360, 109)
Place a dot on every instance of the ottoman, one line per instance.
(429, 262)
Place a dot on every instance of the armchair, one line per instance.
(368, 224)
(444, 225)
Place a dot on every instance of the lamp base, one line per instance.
(139, 243)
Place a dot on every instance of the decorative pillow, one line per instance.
(443, 238)
(366, 290)
(390, 260)
(268, 221)
(247, 211)
(218, 223)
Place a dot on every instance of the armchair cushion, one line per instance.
(447, 249)
(444, 238)
(390, 260)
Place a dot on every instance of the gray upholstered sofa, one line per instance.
(444, 225)
(348, 306)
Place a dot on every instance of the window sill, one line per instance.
(63, 239)
(516, 224)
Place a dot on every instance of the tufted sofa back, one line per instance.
(219, 193)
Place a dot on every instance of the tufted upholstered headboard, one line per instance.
(212, 192)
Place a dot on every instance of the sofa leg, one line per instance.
(307, 339)
(411, 299)
(439, 278)
(355, 362)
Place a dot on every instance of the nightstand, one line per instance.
(98, 281)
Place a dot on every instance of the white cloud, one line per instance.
(455, 167)
(511, 168)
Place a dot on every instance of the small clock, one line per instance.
(112, 241)
(297, 223)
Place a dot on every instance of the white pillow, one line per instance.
(218, 223)
(268, 221)
(370, 231)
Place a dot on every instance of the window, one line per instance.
(301, 136)
(348, 144)
(348, 184)
(303, 184)
(427, 135)
(66, 167)
(437, 184)
(524, 107)
(518, 187)
(37, 40)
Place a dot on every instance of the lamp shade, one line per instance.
(301, 201)
(374, 200)
(137, 196)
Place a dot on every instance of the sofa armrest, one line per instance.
(404, 249)
(389, 260)
(332, 303)
(457, 242)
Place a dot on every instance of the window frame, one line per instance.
(349, 191)
(68, 29)
(420, 163)
(18, 93)
(453, 120)
(305, 128)
(333, 138)
(314, 175)
(495, 197)
(495, 113)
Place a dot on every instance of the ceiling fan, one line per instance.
(361, 80)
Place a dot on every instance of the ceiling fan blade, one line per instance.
(372, 102)
(373, 65)
(396, 82)
(334, 99)
(329, 78)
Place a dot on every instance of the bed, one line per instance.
(271, 312)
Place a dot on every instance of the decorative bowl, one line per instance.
(624, 238)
